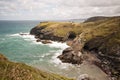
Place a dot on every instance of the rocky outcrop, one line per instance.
(69, 56)
(108, 51)
(45, 35)
(56, 31)
(19, 71)
(46, 41)
(98, 44)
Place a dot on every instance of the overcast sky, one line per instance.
(57, 9)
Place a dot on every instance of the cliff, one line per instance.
(19, 71)
(100, 39)
(56, 31)
(97, 41)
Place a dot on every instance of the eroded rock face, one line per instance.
(103, 42)
(44, 35)
(108, 50)
(69, 56)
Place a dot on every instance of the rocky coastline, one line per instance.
(97, 41)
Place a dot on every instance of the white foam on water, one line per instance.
(57, 62)
(58, 45)
(54, 44)
(26, 36)
(17, 34)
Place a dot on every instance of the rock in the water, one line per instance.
(38, 40)
(69, 56)
(46, 41)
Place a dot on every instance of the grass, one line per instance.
(19, 71)
(90, 29)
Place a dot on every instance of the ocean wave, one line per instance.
(28, 37)
(58, 45)
(54, 60)
(57, 62)
(25, 36)
(17, 34)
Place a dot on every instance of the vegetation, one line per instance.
(90, 29)
(19, 71)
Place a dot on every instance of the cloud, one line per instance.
(57, 9)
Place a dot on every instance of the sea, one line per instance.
(25, 49)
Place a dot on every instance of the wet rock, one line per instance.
(46, 41)
(38, 40)
(69, 56)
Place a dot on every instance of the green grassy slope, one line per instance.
(19, 71)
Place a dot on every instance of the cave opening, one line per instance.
(71, 35)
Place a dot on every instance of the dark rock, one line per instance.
(69, 56)
(108, 51)
(45, 35)
(38, 40)
(46, 41)
(71, 35)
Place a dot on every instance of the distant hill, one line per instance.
(96, 18)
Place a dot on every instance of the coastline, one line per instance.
(79, 44)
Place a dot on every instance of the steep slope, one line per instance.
(19, 71)
(100, 38)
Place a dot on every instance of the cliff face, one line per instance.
(56, 31)
(19, 71)
(101, 39)
(97, 40)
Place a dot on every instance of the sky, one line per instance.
(57, 9)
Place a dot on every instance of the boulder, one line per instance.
(46, 41)
(69, 56)
(38, 40)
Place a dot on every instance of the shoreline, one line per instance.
(95, 40)
(56, 60)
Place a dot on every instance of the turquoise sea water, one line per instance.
(25, 49)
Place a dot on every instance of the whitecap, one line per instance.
(58, 45)
(17, 34)
(25, 36)
(57, 62)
